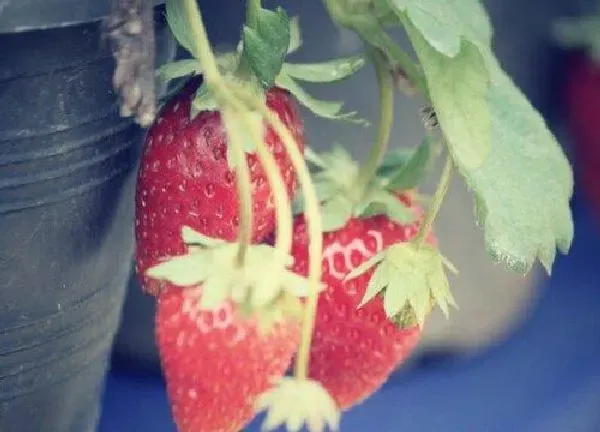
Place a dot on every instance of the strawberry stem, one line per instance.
(252, 10)
(373, 34)
(202, 50)
(315, 232)
(283, 240)
(231, 119)
(436, 202)
(385, 84)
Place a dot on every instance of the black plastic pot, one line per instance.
(67, 163)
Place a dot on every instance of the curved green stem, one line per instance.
(436, 201)
(385, 85)
(374, 34)
(202, 46)
(315, 231)
(252, 10)
(244, 185)
(283, 240)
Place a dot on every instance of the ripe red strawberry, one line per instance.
(583, 104)
(184, 179)
(214, 367)
(354, 350)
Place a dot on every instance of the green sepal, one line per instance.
(325, 109)
(213, 264)
(394, 160)
(178, 69)
(203, 100)
(410, 173)
(335, 212)
(265, 47)
(294, 403)
(325, 72)
(342, 197)
(381, 202)
(193, 238)
(407, 275)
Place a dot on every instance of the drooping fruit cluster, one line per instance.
(185, 180)
(343, 288)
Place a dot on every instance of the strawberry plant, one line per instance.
(263, 253)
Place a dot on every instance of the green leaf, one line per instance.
(520, 177)
(524, 187)
(458, 88)
(326, 109)
(176, 18)
(179, 69)
(411, 172)
(446, 24)
(294, 403)
(265, 47)
(408, 276)
(325, 72)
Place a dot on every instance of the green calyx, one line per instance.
(411, 279)
(295, 403)
(343, 196)
(267, 38)
(269, 297)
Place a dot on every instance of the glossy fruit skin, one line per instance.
(583, 112)
(184, 179)
(215, 367)
(354, 350)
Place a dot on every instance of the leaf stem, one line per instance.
(315, 231)
(230, 118)
(385, 85)
(436, 202)
(252, 9)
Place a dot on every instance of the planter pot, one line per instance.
(66, 216)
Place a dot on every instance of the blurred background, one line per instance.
(522, 353)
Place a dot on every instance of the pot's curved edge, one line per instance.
(26, 15)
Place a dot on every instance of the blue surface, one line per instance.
(545, 378)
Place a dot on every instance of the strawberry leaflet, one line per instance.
(496, 138)
(446, 24)
(523, 187)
